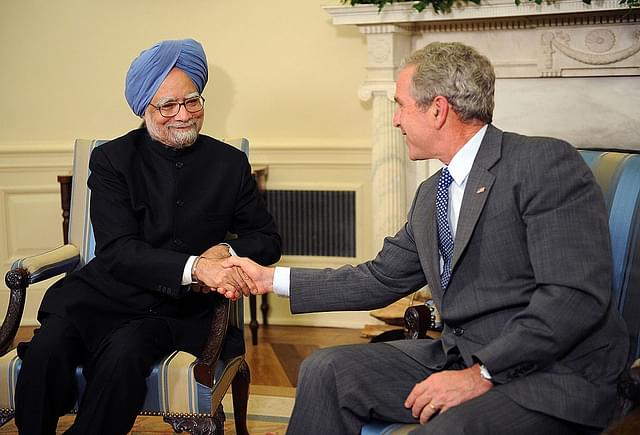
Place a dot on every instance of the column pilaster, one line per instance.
(387, 45)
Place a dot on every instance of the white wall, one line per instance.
(64, 64)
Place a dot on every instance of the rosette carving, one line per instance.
(599, 41)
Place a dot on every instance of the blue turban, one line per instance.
(151, 67)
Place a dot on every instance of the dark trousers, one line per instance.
(341, 388)
(115, 377)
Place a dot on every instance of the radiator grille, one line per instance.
(315, 223)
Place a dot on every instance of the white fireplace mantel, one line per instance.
(564, 69)
(489, 10)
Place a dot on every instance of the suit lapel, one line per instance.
(477, 190)
(433, 254)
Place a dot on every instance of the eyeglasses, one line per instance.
(171, 109)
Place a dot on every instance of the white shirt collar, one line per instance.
(462, 161)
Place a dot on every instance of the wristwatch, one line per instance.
(194, 277)
(485, 373)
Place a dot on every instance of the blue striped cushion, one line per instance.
(9, 369)
(382, 428)
(171, 387)
(618, 173)
(80, 229)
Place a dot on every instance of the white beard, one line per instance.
(183, 138)
(170, 136)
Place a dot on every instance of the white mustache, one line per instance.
(181, 124)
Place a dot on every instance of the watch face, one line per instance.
(485, 373)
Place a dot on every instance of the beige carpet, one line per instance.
(268, 413)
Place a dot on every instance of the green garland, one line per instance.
(444, 6)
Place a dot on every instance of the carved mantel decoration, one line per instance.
(529, 43)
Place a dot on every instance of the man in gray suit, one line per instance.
(511, 236)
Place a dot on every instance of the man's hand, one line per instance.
(217, 251)
(444, 390)
(261, 276)
(231, 282)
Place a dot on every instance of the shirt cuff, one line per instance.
(281, 280)
(186, 273)
(231, 251)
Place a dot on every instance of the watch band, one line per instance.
(194, 278)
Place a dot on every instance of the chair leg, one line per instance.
(240, 393)
(198, 425)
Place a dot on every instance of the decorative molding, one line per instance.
(35, 156)
(306, 144)
(29, 147)
(312, 156)
(599, 51)
(403, 13)
(367, 90)
(629, 16)
(600, 41)
(386, 28)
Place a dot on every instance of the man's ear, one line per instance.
(440, 110)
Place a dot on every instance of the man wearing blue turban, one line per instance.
(163, 199)
(151, 68)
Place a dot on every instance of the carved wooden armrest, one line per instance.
(628, 401)
(204, 368)
(419, 319)
(29, 270)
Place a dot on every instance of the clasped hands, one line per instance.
(232, 277)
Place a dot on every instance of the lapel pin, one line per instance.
(481, 189)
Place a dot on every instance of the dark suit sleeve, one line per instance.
(119, 243)
(257, 233)
(567, 235)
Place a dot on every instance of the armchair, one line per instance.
(618, 174)
(185, 390)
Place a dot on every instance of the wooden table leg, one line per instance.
(260, 174)
(253, 323)
(65, 202)
(264, 307)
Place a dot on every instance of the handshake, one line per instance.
(232, 277)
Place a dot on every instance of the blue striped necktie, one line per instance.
(445, 239)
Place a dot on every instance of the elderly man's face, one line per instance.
(180, 130)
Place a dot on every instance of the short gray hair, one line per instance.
(457, 72)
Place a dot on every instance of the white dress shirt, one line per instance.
(459, 168)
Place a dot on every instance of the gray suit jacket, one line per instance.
(530, 291)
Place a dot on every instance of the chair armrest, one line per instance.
(204, 367)
(51, 263)
(627, 410)
(29, 270)
(419, 319)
